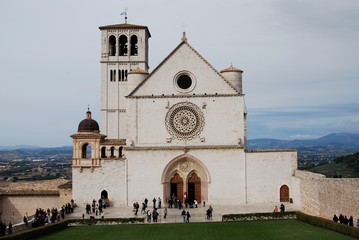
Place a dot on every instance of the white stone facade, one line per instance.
(179, 130)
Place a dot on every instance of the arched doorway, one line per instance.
(194, 188)
(284, 193)
(177, 186)
(186, 174)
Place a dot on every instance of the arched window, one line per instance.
(112, 45)
(134, 46)
(112, 152)
(103, 152)
(86, 151)
(123, 45)
(120, 152)
(104, 194)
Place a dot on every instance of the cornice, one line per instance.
(270, 150)
(187, 96)
(183, 148)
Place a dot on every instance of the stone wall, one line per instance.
(15, 207)
(325, 197)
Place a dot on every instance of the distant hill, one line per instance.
(348, 140)
(30, 147)
(345, 166)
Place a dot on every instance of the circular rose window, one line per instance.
(184, 82)
(184, 121)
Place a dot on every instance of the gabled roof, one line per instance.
(125, 25)
(183, 42)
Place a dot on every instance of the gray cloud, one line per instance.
(293, 53)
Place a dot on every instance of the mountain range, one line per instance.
(347, 140)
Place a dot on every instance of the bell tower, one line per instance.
(124, 47)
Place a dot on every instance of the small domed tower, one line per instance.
(86, 143)
(88, 124)
(234, 76)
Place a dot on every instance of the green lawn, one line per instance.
(279, 229)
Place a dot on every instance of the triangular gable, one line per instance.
(226, 86)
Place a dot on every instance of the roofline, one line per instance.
(126, 26)
(169, 55)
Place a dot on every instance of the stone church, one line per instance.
(179, 130)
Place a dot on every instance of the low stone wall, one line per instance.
(15, 207)
(325, 197)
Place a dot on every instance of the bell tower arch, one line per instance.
(124, 47)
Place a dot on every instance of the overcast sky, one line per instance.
(300, 60)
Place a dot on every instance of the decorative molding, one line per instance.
(185, 166)
(183, 148)
(187, 96)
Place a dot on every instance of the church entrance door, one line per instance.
(177, 187)
(194, 188)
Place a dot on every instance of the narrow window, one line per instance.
(120, 152)
(103, 152)
(86, 151)
(125, 75)
(134, 46)
(123, 45)
(114, 75)
(110, 75)
(119, 75)
(112, 45)
(112, 152)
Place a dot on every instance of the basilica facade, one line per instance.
(179, 130)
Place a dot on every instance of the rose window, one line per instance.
(184, 121)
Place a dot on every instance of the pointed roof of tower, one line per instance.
(125, 26)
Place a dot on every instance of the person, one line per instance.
(210, 211)
(350, 221)
(184, 215)
(25, 221)
(195, 203)
(282, 208)
(358, 223)
(148, 216)
(188, 216)
(154, 202)
(275, 209)
(10, 228)
(165, 213)
(335, 218)
(159, 203)
(208, 214)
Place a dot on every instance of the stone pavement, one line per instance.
(174, 215)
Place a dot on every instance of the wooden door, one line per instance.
(197, 186)
(177, 185)
(284, 193)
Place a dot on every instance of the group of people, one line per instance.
(95, 208)
(345, 220)
(281, 208)
(174, 202)
(3, 229)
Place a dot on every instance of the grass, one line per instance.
(263, 230)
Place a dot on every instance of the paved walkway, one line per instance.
(174, 215)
